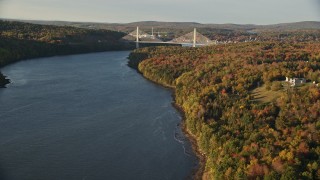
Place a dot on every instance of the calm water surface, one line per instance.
(88, 117)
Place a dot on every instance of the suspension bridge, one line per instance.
(193, 39)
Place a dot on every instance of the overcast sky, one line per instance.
(203, 11)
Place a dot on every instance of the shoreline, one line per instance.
(3, 81)
(198, 172)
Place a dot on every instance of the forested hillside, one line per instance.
(22, 41)
(272, 133)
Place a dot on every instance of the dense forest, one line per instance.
(247, 120)
(23, 41)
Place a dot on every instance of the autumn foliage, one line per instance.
(243, 138)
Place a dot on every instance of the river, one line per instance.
(89, 117)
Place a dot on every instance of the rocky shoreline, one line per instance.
(198, 173)
(3, 81)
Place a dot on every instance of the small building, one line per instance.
(296, 81)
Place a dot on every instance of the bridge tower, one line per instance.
(137, 38)
(194, 37)
(152, 35)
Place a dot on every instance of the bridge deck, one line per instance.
(169, 42)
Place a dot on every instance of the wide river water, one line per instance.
(86, 117)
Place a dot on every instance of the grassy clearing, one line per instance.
(262, 95)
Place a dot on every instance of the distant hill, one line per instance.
(127, 27)
(166, 31)
(292, 26)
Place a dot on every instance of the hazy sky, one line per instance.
(204, 11)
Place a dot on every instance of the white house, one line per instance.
(296, 81)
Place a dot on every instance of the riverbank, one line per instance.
(3, 80)
(198, 172)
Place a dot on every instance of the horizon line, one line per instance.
(159, 21)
